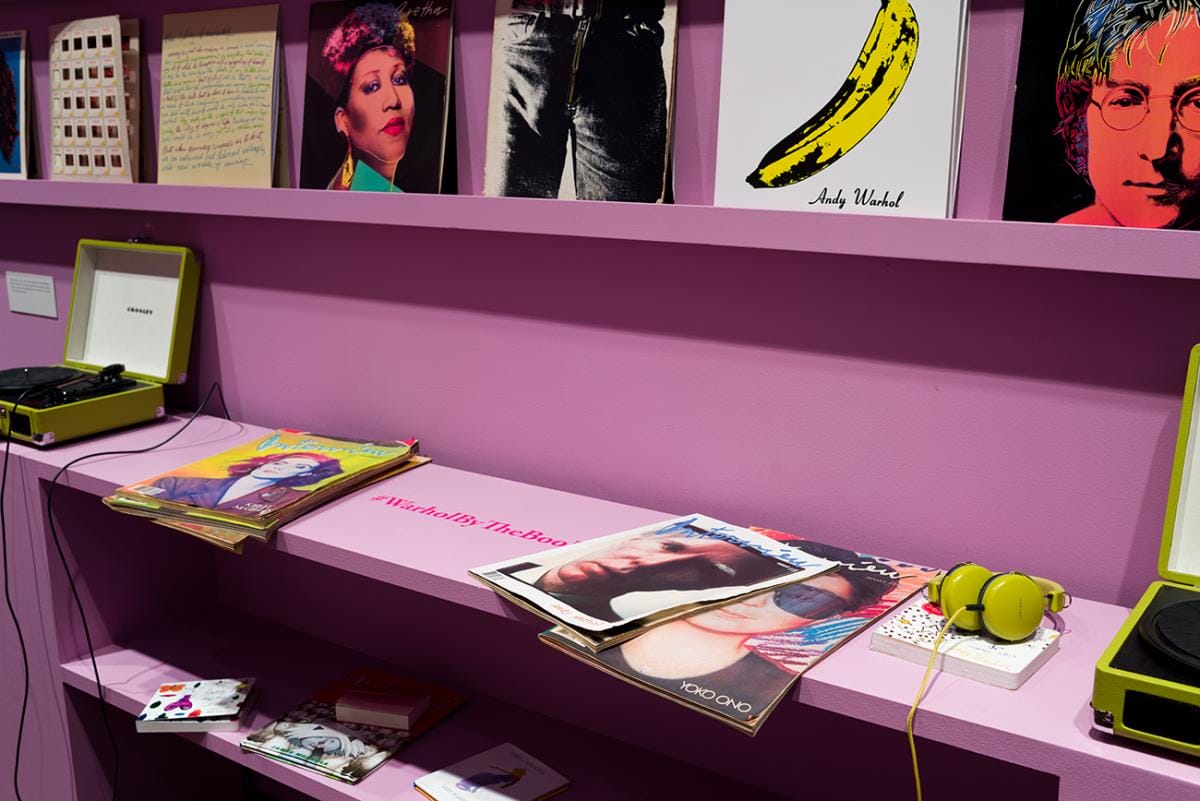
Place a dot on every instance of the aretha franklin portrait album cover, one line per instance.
(376, 96)
(1106, 126)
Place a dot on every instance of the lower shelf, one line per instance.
(290, 666)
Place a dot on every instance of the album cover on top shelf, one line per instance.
(377, 96)
(851, 108)
(910, 633)
(608, 589)
(1106, 120)
(88, 116)
(503, 773)
(219, 97)
(14, 109)
(199, 705)
(582, 99)
(310, 736)
(736, 662)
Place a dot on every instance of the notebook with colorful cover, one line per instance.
(310, 735)
(256, 486)
(909, 634)
(503, 773)
(203, 705)
(377, 96)
(736, 662)
(672, 568)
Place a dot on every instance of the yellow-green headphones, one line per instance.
(1008, 606)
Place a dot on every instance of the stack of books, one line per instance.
(250, 490)
(316, 737)
(196, 705)
(719, 618)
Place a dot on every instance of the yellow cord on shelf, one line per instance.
(912, 713)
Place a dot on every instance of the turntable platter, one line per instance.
(19, 379)
(1174, 631)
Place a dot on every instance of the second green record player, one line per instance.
(133, 306)
(1147, 682)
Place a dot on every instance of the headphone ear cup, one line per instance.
(960, 588)
(1013, 605)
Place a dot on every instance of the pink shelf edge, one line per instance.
(1043, 726)
(968, 241)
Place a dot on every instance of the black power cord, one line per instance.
(216, 387)
(12, 612)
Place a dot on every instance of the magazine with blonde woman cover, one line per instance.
(257, 485)
(736, 662)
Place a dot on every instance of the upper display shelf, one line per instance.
(1126, 251)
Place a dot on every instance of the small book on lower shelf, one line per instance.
(197, 705)
(909, 634)
(503, 773)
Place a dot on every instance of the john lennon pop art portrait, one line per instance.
(1106, 129)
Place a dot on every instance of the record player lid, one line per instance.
(1179, 556)
(133, 304)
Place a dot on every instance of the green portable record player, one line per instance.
(133, 305)
(1147, 684)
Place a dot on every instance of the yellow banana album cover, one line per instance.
(851, 107)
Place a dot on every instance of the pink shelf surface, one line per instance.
(1044, 725)
(1019, 244)
(290, 666)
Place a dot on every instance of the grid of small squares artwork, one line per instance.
(88, 101)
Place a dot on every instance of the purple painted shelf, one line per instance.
(290, 666)
(1064, 247)
(390, 532)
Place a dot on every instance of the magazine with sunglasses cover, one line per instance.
(255, 487)
(736, 662)
(310, 736)
(1106, 118)
(608, 589)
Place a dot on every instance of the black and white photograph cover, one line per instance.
(581, 99)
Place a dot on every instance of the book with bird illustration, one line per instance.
(850, 108)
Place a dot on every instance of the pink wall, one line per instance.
(931, 411)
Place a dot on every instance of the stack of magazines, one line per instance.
(311, 735)
(720, 618)
(250, 490)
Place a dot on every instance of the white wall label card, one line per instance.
(31, 294)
